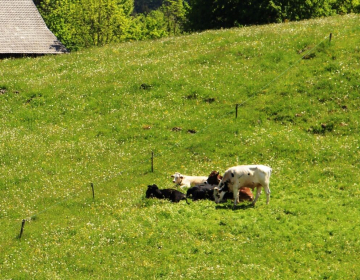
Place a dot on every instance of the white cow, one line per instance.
(251, 176)
(188, 181)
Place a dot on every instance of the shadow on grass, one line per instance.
(237, 207)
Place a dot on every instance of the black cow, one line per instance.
(206, 191)
(201, 192)
(170, 194)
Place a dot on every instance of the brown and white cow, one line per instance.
(250, 176)
(214, 178)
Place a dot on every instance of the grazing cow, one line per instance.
(188, 181)
(171, 194)
(250, 176)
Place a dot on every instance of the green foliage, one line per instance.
(174, 12)
(96, 116)
(84, 23)
(57, 16)
(146, 6)
(346, 6)
(150, 26)
(205, 14)
(101, 22)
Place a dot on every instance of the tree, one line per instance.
(146, 6)
(101, 22)
(148, 26)
(210, 14)
(204, 14)
(345, 6)
(175, 14)
(83, 23)
(57, 16)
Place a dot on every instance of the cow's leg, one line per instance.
(267, 191)
(258, 192)
(236, 196)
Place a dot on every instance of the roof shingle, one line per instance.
(23, 31)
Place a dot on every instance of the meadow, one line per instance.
(98, 115)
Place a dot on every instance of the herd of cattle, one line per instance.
(236, 183)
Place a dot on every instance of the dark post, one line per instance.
(22, 228)
(152, 161)
(236, 109)
(93, 192)
(330, 37)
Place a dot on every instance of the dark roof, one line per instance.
(23, 31)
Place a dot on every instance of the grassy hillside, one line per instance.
(96, 116)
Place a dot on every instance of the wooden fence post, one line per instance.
(330, 37)
(152, 162)
(22, 228)
(93, 191)
(236, 110)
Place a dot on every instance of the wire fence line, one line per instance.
(149, 158)
(286, 70)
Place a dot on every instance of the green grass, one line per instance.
(97, 116)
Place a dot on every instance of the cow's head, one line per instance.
(214, 178)
(177, 178)
(220, 191)
(151, 191)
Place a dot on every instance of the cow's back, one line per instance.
(249, 175)
(262, 173)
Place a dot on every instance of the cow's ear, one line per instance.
(181, 176)
(172, 176)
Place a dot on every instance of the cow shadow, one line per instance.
(236, 208)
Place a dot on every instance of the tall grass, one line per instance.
(97, 115)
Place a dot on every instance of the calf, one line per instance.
(188, 181)
(207, 192)
(250, 176)
(245, 194)
(214, 178)
(171, 194)
(204, 191)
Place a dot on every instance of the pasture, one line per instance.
(98, 115)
